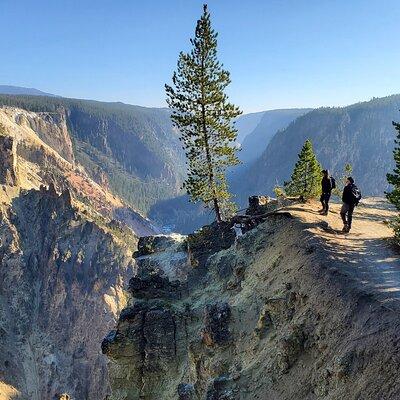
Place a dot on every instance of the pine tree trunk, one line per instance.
(211, 170)
(217, 211)
(208, 155)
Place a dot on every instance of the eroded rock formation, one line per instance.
(51, 128)
(61, 288)
(269, 318)
(8, 161)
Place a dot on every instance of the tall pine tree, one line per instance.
(394, 179)
(306, 177)
(347, 171)
(202, 113)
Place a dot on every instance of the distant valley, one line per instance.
(82, 181)
(136, 152)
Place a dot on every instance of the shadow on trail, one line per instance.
(370, 217)
(374, 264)
(362, 256)
(379, 204)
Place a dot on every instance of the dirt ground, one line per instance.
(366, 254)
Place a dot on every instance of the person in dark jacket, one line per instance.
(326, 184)
(349, 202)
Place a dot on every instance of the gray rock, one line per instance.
(154, 286)
(221, 389)
(186, 391)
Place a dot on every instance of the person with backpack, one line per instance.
(328, 183)
(351, 197)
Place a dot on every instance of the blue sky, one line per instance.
(287, 53)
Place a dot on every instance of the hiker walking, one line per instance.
(351, 197)
(328, 183)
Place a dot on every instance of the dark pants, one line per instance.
(347, 214)
(325, 201)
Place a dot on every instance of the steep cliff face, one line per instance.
(269, 318)
(51, 128)
(66, 246)
(61, 287)
(40, 147)
(135, 147)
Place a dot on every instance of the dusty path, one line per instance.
(365, 254)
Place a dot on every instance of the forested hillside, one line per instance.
(256, 141)
(361, 134)
(19, 90)
(246, 123)
(136, 147)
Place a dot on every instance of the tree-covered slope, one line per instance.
(135, 146)
(246, 123)
(256, 141)
(19, 90)
(361, 134)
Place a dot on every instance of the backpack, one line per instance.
(333, 183)
(356, 193)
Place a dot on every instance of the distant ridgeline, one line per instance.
(140, 153)
(361, 134)
(136, 147)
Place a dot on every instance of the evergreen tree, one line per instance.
(202, 113)
(347, 171)
(394, 180)
(306, 177)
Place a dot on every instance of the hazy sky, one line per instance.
(287, 53)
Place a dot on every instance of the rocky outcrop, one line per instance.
(39, 152)
(148, 336)
(8, 161)
(208, 240)
(61, 289)
(265, 319)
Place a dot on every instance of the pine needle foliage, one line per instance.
(204, 116)
(306, 177)
(347, 171)
(394, 179)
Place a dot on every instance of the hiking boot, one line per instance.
(324, 213)
(345, 228)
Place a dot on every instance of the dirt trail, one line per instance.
(365, 254)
